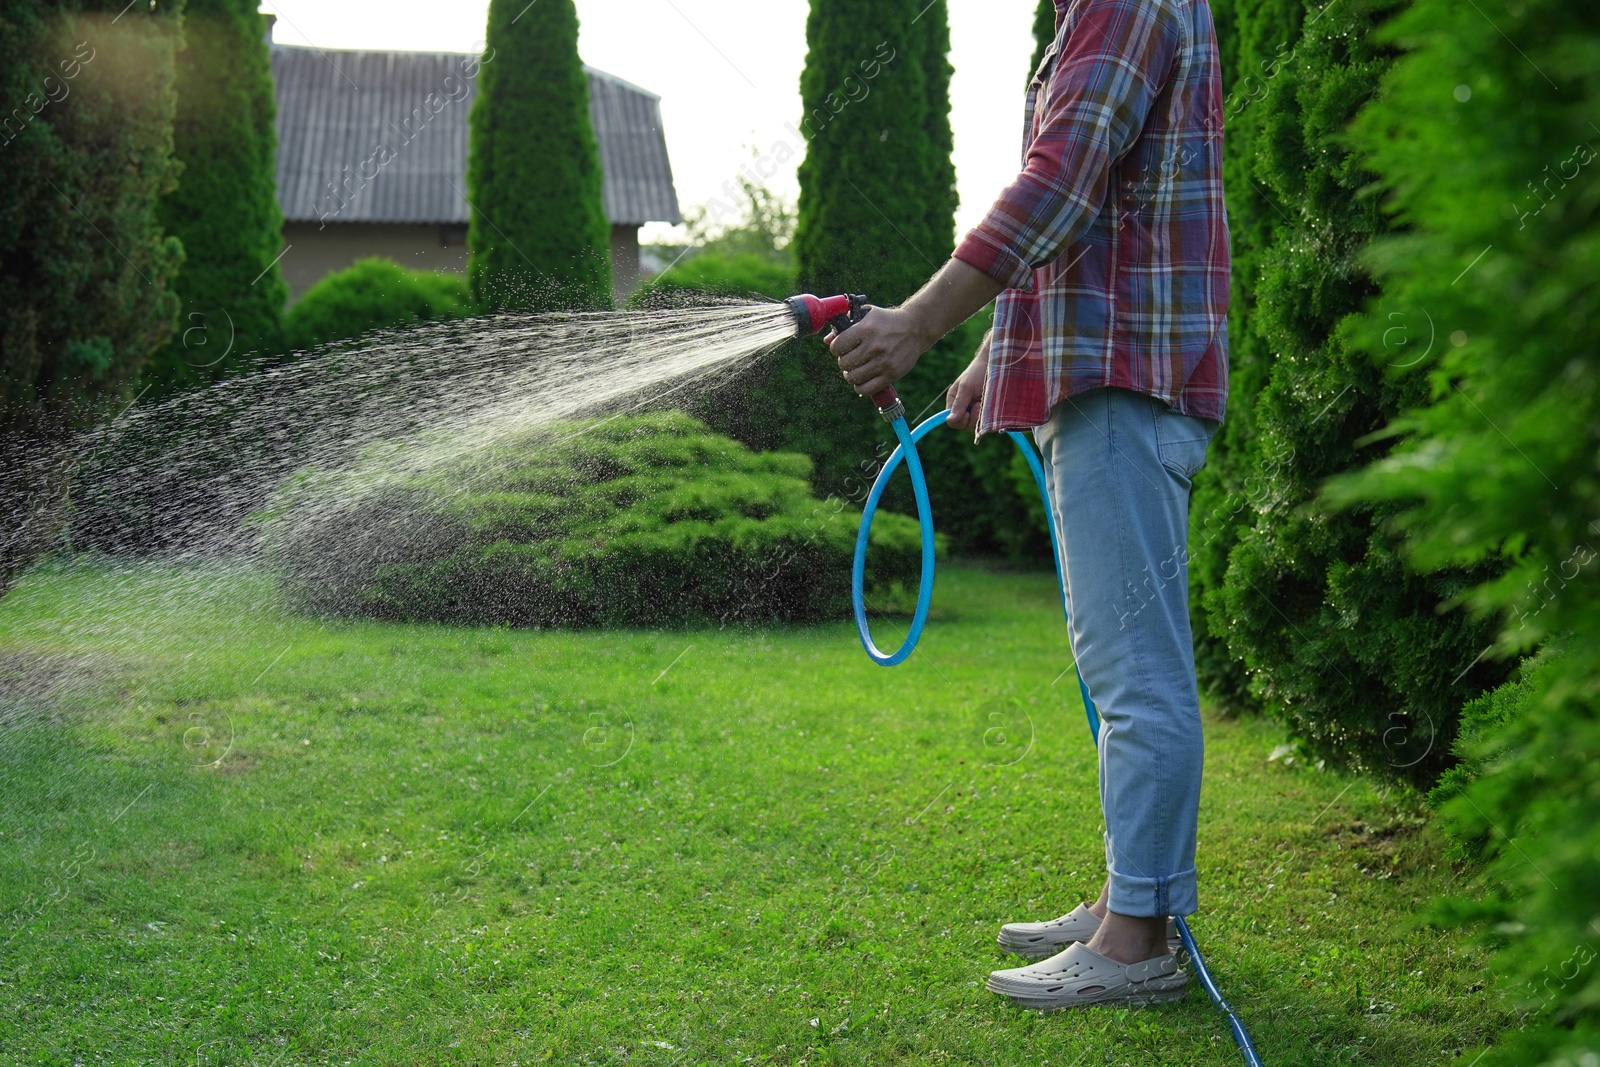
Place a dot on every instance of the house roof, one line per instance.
(382, 137)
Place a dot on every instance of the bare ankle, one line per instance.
(1099, 907)
(1130, 938)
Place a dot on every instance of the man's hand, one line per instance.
(965, 396)
(883, 347)
(880, 349)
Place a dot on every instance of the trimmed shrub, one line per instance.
(225, 208)
(648, 520)
(738, 274)
(1481, 722)
(538, 235)
(373, 294)
(1317, 616)
(1488, 156)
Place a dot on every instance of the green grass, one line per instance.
(256, 839)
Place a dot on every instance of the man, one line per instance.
(1109, 257)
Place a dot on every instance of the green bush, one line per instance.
(1481, 722)
(1488, 155)
(1317, 618)
(538, 234)
(647, 520)
(373, 294)
(225, 208)
(738, 274)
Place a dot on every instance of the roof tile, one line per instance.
(341, 113)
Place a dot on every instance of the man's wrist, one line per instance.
(925, 328)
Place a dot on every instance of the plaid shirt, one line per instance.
(1113, 240)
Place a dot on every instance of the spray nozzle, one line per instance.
(813, 314)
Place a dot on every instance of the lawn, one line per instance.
(240, 837)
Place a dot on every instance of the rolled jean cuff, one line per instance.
(1151, 897)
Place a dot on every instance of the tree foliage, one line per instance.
(1487, 156)
(537, 234)
(225, 208)
(1309, 613)
(1044, 31)
(85, 271)
(877, 203)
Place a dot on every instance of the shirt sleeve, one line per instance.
(1115, 59)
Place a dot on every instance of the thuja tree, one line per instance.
(225, 208)
(1489, 157)
(1314, 611)
(979, 506)
(1044, 31)
(876, 215)
(537, 235)
(876, 200)
(85, 271)
(85, 287)
(1249, 34)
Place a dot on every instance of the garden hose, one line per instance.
(906, 451)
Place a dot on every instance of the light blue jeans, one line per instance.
(1119, 466)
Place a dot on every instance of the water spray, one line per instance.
(813, 315)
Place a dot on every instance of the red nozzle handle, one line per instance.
(813, 314)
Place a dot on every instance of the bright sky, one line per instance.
(727, 71)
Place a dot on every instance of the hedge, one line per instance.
(1486, 155)
(1308, 613)
(646, 520)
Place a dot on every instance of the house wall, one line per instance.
(624, 261)
(315, 251)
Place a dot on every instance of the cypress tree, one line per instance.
(85, 271)
(939, 211)
(1314, 614)
(225, 208)
(1489, 154)
(538, 236)
(877, 201)
(1044, 31)
(870, 177)
(85, 282)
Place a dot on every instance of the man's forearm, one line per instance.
(953, 295)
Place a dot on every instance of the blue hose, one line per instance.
(906, 452)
